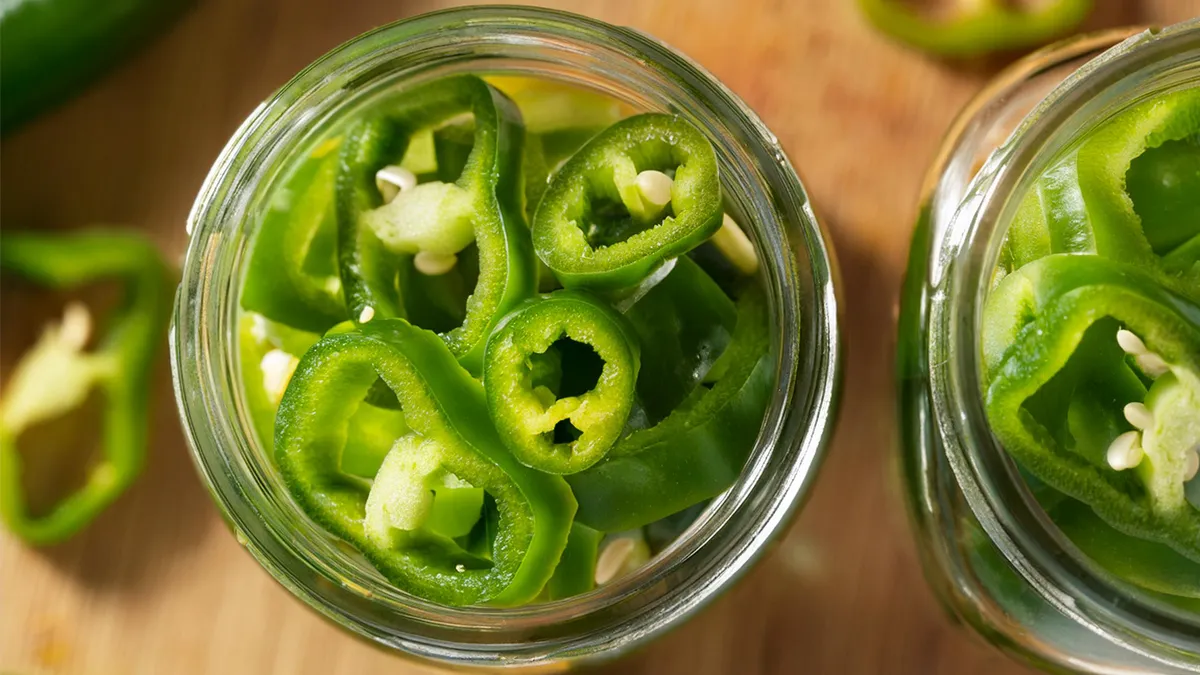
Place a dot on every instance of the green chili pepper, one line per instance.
(976, 27)
(53, 48)
(614, 213)
(698, 450)
(56, 376)
(560, 427)
(437, 219)
(421, 500)
(292, 277)
(1080, 204)
(1070, 343)
(269, 353)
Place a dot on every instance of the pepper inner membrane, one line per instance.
(439, 302)
(1081, 406)
(605, 219)
(567, 368)
(58, 454)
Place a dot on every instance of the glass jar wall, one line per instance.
(763, 189)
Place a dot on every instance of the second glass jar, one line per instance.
(989, 548)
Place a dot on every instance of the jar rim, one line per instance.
(994, 489)
(799, 262)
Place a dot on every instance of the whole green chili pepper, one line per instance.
(555, 426)
(614, 213)
(1080, 204)
(1069, 344)
(53, 48)
(56, 376)
(976, 27)
(436, 219)
(410, 533)
(698, 450)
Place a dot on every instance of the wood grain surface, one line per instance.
(159, 585)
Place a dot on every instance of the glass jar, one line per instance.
(731, 533)
(991, 553)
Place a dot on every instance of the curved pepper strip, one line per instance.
(576, 572)
(698, 451)
(976, 27)
(559, 119)
(483, 205)
(528, 413)
(1148, 564)
(684, 324)
(1057, 382)
(56, 376)
(595, 230)
(447, 412)
(269, 353)
(286, 281)
(1081, 204)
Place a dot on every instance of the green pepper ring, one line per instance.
(600, 414)
(695, 202)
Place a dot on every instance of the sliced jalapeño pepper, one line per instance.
(698, 450)
(1081, 204)
(432, 495)
(684, 323)
(1092, 376)
(976, 27)
(56, 376)
(642, 192)
(559, 119)
(436, 220)
(292, 277)
(561, 424)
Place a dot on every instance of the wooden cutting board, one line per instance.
(159, 585)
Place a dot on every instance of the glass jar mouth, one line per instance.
(730, 534)
(997, 494)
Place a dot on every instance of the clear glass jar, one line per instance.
(717, 548)
(991, 553)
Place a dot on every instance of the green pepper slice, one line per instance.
(576, 572)
(482, 206)
(292, 277)
(452, 446)
(1148, 564)
(559, 119)
(599, 227)
(976, 27)
(1082, 204)
(56, 375)
(1069, 344)
(699, 450)
(560, 427)
(684, 324)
